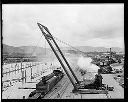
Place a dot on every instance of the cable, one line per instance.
(35, 46)
(67, 44)
(45, 47)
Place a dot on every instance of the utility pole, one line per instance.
(110, 55)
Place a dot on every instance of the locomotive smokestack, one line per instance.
(110, 50)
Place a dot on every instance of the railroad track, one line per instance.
(56, 89)
(62, 91)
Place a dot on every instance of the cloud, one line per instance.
(76, 23)
(101, 21)
(111, 42)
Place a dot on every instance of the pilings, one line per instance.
(22, 72)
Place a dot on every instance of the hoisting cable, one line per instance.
(49, 37)
(45, 45)
(34, 49)
(64, 59)
(67, 44)
(35, 46)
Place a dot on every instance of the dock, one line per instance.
(63, 89)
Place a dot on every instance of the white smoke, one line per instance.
(85, 64)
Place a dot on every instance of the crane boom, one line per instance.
(48, 36)
(79, 86)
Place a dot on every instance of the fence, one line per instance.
(22, 72)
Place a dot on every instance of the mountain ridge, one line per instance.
(40, 50)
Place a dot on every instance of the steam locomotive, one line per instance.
(46, 84)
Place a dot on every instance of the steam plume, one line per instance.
(85, 64)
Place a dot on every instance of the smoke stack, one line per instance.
(110, 55)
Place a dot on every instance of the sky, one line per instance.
(97, 25)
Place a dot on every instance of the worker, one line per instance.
(44, 79)
(98, 79)
(23, 97)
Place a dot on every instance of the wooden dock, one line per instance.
(63, 89)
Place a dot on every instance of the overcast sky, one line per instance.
(77, 24)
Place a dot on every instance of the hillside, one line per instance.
(99, 49)
(40, 51)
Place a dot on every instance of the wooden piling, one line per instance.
(25, 76)
(22, 77)
(15, 69)
(18, 69)
(31, 71)
(9, 71)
